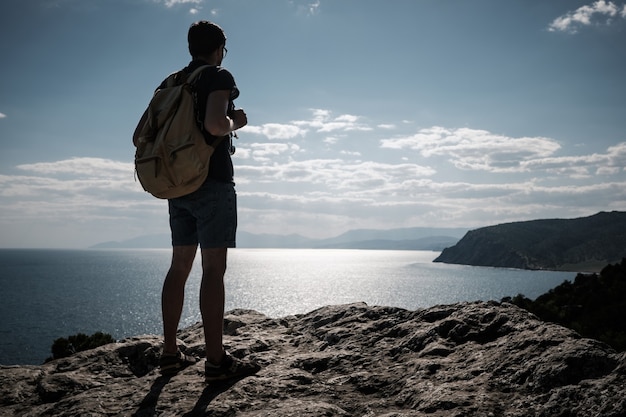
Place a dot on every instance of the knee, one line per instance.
(178, 273)
(213, 273)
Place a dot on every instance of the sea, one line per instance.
(48, 294)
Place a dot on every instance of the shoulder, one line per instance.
(220, 79)
(223, 74)
(223, 70)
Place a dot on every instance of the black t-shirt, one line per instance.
(213, 79)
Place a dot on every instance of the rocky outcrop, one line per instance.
(585, 244)
(470, 359)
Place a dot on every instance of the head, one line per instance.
(205, 38)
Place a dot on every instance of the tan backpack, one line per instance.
(172, 157)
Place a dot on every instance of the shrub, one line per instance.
(593, 305)
(64, 347)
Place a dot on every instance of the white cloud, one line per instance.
(323, 122)
(472, 149)
(314, 7)
(2, 115)
(264, 152)
(75, 203)
(321, 114)
(600, 12)
(275, 131)
(72, 180)
(196, 5)
(330, 175)
(320, 185)
(81, 167)
(582, 166)
(308, 8)
(424, 202)
(172, 3)
(331, 140)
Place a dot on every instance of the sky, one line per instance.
(362, 114)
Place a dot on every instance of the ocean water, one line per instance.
(47, 294)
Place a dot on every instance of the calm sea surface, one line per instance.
(47, 294)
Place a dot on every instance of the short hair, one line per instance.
(204, 38)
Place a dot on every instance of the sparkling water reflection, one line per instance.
(55, 293)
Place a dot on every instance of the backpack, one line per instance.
(172, 157)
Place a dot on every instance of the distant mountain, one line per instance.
(584, 244)
(433, 243)
(264, 240)
(420, 238)
(392, 235)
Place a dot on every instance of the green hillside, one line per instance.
(584, 244)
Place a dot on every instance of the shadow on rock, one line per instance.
(147, 406)
(208, 395)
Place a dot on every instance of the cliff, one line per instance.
(584, 244)
(469, 359)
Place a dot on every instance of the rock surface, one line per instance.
(469, 359)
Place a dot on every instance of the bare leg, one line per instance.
(212, 301)
(173, 294)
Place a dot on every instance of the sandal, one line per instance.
(172, 364)
(230, 368)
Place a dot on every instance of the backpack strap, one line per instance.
(191, 78)
(196, 73)
(181, 77)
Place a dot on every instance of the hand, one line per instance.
(239, 117)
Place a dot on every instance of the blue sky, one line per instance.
(362, 113)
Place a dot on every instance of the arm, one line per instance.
(217, 121)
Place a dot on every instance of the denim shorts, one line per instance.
(207, 217)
